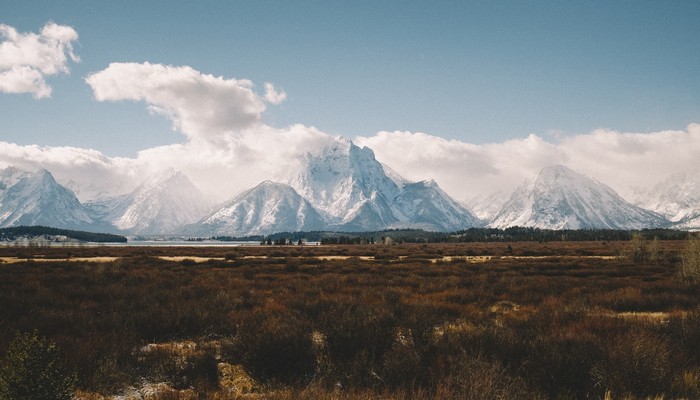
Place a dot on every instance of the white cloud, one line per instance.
(229, 149)
(273, 96)
(201, 106)
(628, 162)
(237, 163)
(87, 168)
(27, 58)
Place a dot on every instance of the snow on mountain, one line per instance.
(11, 175)
(347, 185)
(37, 199)
(486, 207)
(355, 192)
(427, 206)
(678, 199)
(399, 180)
(90, 192)
(562, 199)
(160, 205)
(267, 208)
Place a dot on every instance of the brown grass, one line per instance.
(531, 321)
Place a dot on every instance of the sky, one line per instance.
(477, 95)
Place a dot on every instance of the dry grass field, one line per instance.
(553, 320)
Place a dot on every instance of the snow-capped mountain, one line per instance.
(355, 192)
(9, 176)
(348, 186)
(267, 208)
(562, 199)
(678, 199)
(37, 199)
(342, 187)
(399, 180)
(486, 207)
(424, 205)
(160, 205)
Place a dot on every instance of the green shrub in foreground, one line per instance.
(33, 368)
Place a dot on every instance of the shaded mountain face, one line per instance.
(37, 199)
(425, 205)
(678, 199)
(160, 205)
(486, 207)
(562, 199)
(267, 208)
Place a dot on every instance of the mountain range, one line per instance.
(342, 187)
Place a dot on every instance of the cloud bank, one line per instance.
(26, 59)
(628, 162)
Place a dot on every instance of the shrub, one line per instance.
(357, 337)
(277, 348)
(638, 250)
(34, 368)
(690, 264)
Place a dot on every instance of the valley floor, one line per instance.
(552, 320)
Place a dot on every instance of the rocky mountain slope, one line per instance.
(678, 199)
(37, 199)
(563, 199)
(160, 205)
(267, 208)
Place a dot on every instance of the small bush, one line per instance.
(34, 368)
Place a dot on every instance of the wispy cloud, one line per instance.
(26, 59)
(273, 96)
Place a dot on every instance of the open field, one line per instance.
(553, 320)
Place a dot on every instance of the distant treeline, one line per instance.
(17, 232)
(514, 234)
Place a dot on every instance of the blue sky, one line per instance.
(479, 72)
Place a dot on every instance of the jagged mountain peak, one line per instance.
(11, 170)
(487, 206)
(560, 177)
(556, 171)
(677, 198)
(399, 180)
(267, 208)
(37, 199)
(11, 175)
(162, 203)
(561, 198)
(424, 204)
(355, 192)
(345, 182)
